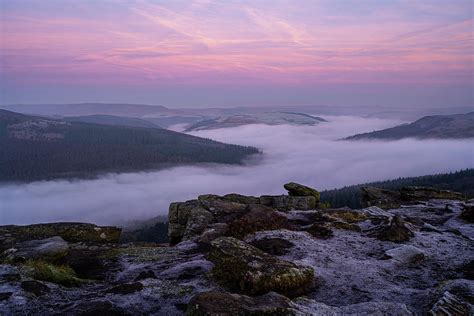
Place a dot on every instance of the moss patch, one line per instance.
(62, 275)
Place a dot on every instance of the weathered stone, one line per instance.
(395, 231)
(406, 254)
(224, 211)
(126, 288)
(258, 218)
(427, 193)
(198, 221)
(71, 232)
(175, 232)
(320, 231)
(385, 199)
(296, 189)
(244, 199)
(448, 305)
(35, 287)
(178, 216)
(273, 246)
(226, 304)
(240, 265)
(212, 232)
(287, 203)
(49, 249)
(388, 199)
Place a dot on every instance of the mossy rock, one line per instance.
(412, 193)
(241, 266)
(296, 189)
(58, 274)
(244, 199)
(346, 226)
(349, 216)
(71, 232)
(287, 203)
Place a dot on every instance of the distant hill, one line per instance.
(267, 118)
(461, 181)
(112, 120)
(35, 148)
(437, 126)
(81, 109)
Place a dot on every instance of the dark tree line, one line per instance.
(89, 149)
(459, 181)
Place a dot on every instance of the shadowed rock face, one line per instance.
(242, 266)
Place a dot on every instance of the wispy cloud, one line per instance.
(238, 42)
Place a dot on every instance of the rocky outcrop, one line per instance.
(243, 214)
(361, 270)
(468, 213)
(449, 304)
(244, 267)
(388, 199)
(426, 193)
(258, 218)
(296, 189)
(71, 232)
(396, 231)
(405, 254)
(287, 203)
(49, 249)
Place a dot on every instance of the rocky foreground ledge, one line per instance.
(408, 252)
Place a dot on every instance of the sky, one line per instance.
(198, 53)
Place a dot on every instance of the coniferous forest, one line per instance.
(35, 148)
(460, 181)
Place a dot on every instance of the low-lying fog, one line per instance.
(309, 155)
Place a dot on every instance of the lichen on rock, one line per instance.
(244, 267)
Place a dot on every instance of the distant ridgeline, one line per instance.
(38, 148)
(461, 181)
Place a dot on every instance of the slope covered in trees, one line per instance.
(35, 148)
(455, 126)
(459, 181)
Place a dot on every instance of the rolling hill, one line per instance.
(36, 148)
(454, 126)
(267, 118)
(112, 120)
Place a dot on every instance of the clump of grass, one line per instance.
(62, 275)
